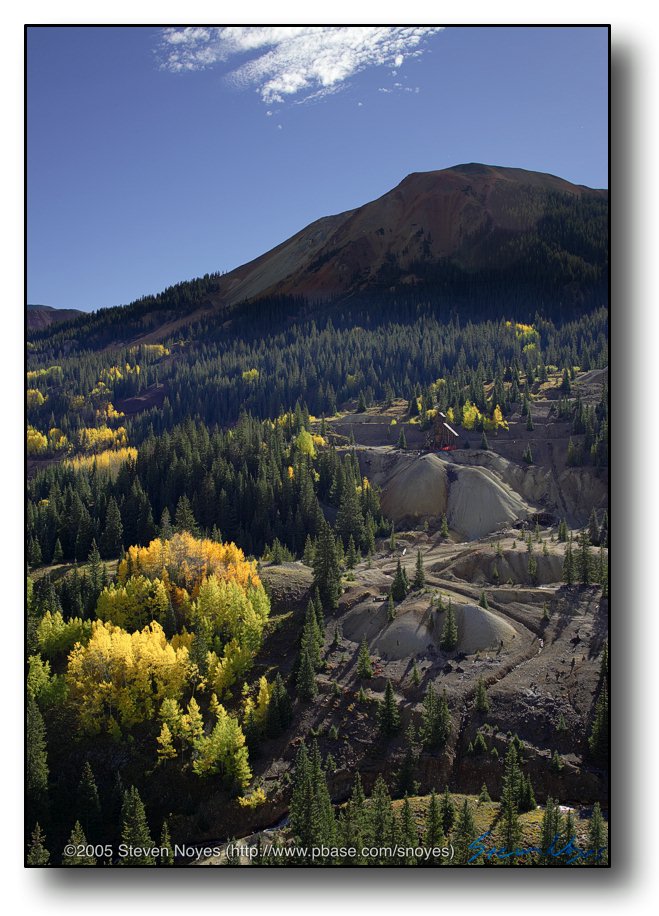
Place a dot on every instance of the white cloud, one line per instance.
(289, 61)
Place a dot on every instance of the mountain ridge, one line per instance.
(430, 217)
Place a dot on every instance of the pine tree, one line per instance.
(481, 703)
(89, 805)
(449, 638)
(311, 814)
(484, 795)
(135, 829)
(166, 844)
(562, 531)
(598, 742)
(312, 638)
(34, 554)
(569, 832)
(569, 571)
(166, 530)
(434, 835)
(480, 745)
(604, 663)
(361, 404)
(436, 720)
(350, 518)
(320, 617)
(184, 518)
(584, 560)
(597, 836)
(556, 764)
(409, 829)
(58, 553)
(306, 677)
(279, 712)
(391, 608)
(550, 832)
(527, 454)
(364, 665)
(351, 554)
(309, 551)
(465, 834)
(527, 800)
(399, 585)
(485, 445)
(482, 601)
(402, 441)
(112, 538)
(447, 811)
(510, 829)
(388, 716)
(532, 569)
(37, 854)
(406, 783)
(327, 573)
(36, 758)
(78, 839)
(416, 677)
(444, 531)
(379, 816)
(419, 574)
(604, 531)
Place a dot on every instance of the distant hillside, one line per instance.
(452, 227)
(478, 240)
(42, 316)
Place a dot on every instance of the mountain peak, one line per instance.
(465, 216)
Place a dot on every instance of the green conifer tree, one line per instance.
(550, 833)
(434, 833)
(37, 854)
(388, 716)
(36, 758)
(598, 741)
(306, 686)
(481, 703)
(465, 834)
(89, 805)
(391, 608)
(135, 830)
(484, 795)
(58, 553)
(419, 573)
(447, 811)
(327, 572)
(597, 837)
(364, 665)
(111, 544)
(569, 571)
(449, 638)
(78, 840)
(399, 584)
(166, 844)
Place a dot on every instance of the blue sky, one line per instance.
(156, 156)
